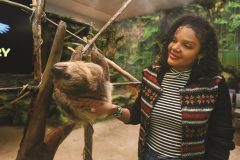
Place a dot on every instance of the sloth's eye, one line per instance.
(66, 76)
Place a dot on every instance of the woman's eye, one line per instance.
(188, 46)
(66, 76)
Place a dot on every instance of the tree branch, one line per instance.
(120, 70)
(106, 25)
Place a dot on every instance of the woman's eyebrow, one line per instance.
(189, 41)
(185, 40)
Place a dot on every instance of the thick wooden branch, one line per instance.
(56, 137)
(32, 144)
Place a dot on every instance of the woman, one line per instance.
(183, 105)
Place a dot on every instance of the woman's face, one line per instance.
(184, 49)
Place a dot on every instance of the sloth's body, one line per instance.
(76, 79)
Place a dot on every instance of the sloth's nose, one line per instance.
(58, 69)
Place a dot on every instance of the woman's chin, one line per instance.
(171, 62)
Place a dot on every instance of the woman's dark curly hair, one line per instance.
(209, 65)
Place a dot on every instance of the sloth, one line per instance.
(78, 79)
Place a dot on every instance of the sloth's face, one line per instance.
(76, 77)
(70, 76)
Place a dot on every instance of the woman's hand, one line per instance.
(98, 107)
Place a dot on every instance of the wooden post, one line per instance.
(37, 39)
(88, 141)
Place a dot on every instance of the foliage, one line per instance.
(139, 44)
(228, 23)
(13, 114)
(208, 4)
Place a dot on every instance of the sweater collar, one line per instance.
(185, 73)
(162, 71)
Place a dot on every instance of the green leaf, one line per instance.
(220, 21)
(233, 4)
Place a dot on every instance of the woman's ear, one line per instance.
(200, 56)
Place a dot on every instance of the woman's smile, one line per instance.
(173, 56)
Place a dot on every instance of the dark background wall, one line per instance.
(18, 39)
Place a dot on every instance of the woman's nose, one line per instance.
(176, 47)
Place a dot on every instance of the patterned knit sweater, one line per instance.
(206, 118)
(165, 131)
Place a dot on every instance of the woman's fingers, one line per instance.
(92, 105)
(93, 109)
